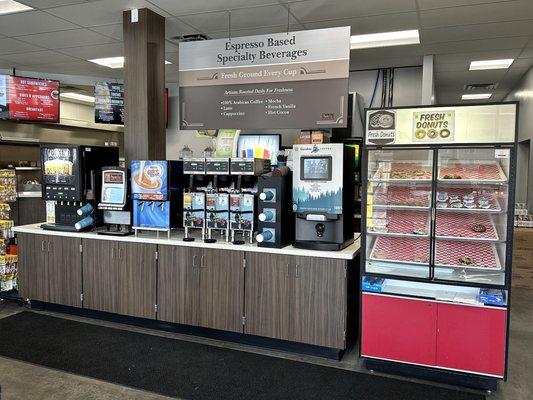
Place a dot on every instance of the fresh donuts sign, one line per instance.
(433, 126)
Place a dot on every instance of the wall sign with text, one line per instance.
(433, 126)
(285, 80)
(109, 103)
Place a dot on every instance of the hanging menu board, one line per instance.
(285, 80)
(109, 103)
(29, 99)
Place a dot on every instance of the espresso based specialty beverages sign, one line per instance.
(285, 80)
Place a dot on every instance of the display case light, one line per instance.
(11, 6)
(476, 96)
(491, 64)
(113, 62)
(385, 39)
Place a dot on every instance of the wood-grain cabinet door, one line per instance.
(32, 261)
(267, 295)
(136, 283)
(221, 289)
(64, 271)
(100, 274)
(178, 284)
(318, 302)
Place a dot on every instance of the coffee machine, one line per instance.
(71, 178)
(322, 196)
(115, 201)
(156, 188)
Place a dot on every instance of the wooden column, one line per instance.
(144, 85)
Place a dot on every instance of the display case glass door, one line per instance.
(398, 212)
(471, 215)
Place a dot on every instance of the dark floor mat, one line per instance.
(190, 370)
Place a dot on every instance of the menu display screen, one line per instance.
(316, 168)
(109, 103)
(29, 99)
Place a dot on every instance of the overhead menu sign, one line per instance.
(284, 80)
(109, 103)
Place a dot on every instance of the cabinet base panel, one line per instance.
(234, 337)
(431, 374)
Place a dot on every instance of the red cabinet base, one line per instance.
(435, 334)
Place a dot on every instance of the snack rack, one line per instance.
(8, 257)
(437, 231)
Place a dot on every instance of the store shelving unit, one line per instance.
(437, 241)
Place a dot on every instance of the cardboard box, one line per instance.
(304, 137)
(523, 258)
(317, 137)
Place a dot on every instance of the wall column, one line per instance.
(144, 85)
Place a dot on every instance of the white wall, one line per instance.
(407, 91)
(523, 93)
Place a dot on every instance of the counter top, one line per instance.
(176, 239)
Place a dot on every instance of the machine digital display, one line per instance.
(316, 168)
(113, 177)
(113, 195)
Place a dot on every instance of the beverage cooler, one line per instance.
(437, 241)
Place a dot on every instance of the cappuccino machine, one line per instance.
(156, 188)
(221, 197)
(115, 201)
(322, 196)
(71, 180)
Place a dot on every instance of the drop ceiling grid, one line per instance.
(455, 31)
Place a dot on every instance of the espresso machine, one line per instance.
(71, 178)
(156, 188)
(115, 201)
(323, 196)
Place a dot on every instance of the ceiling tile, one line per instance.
(478, 31)
(113, 31)
(240, 19)
(97, 51)
(320, 10)
(176, 27)
(43, 4)
(362, 25)
(527, 52)
(478, 13)
(8, 45)
(38, 58)
(431, 4)
(64, 39)
(27, 23)
(264, 30)
(83, 68)
(475, 45)
(103, 12)
(189, 7)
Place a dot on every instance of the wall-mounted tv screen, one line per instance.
(109, 103)
(29, 99)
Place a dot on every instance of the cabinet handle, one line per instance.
(288, 268)
(297, 273)
(49, 246)
(202, 265)
(112, 252)
(194, 261)
(120, 253)
(42, 246)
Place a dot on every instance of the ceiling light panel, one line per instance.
(113, 62)
(385, 39)
(10, 7)
(491, 64)
(476, 96)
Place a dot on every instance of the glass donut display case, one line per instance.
(437, 229)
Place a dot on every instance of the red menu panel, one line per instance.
(33, 99)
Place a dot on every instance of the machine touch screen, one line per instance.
(113, 187)
(316, 168)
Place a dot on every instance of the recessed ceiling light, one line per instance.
(385, 39)
(491, 64)
(113, 62)
(10, 7)
(78, 96)
(476, 96)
